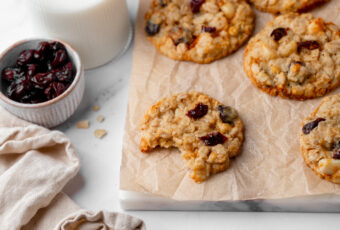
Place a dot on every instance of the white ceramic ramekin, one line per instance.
(53, 112)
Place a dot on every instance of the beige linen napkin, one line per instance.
(35, 165)
(100, 220)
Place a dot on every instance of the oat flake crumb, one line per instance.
(100, 118)
(100, 133)
(83, 124)
(96, 108)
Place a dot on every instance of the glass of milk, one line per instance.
(98, 29)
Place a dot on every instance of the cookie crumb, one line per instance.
(96, 108)
(83, 124)
(100, 133)
(100, 118)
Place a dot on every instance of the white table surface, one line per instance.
(96, 186)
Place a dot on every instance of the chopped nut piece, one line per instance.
(100, 133)
(100, 118)
(96, 108)
(83, 124)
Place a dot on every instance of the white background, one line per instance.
(96, 186)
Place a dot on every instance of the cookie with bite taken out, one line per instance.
(206, 132)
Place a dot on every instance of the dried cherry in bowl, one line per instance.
(55, 110)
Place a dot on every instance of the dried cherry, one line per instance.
(307, 128)
(227, 114)
(25, 57)
(278, 33)
(60, 57)
(310, 45)
(213, 139)
(208, 29)
(31, 69)
(152, 29)
(198, 112)
(39, 74)
(162, 3)
(56, 46)
(42, 80)
(43, 48)
(196, 5)
(64, 74)
(336, 150)
(18, 88)
(54, 90)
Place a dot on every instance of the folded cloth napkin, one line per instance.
(100, 220)
(35, 165)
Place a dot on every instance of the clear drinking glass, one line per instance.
(98, 29)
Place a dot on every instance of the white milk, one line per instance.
(98, 29)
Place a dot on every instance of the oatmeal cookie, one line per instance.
(201, 31)
(205, 131)
(320, 139)
(295, 56)
(286, 6)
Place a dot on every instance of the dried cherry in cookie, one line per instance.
(196, 5)
(213, 139)
(205, 144)
(199, 111)
(307, 128)
(336, 150)
(152, 29)
(163, 3)
(278, 33)
(208, 29)
(227, 114)
(25, 57)
(310, 45)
